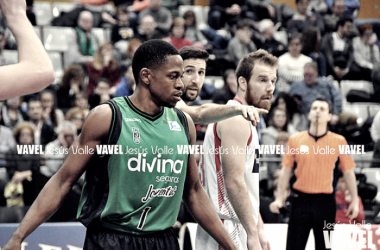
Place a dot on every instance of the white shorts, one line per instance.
(236, 231)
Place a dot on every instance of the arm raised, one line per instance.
(34, 71)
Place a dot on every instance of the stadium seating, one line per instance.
(43, 12)
(54, 38)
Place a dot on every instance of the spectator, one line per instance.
(192, 32)
(302, 19)
(241, 44)
(337, 12)
(72, 83)
(266, 39)
(290, 64)
(228, 92)
(56, 150)
(262, 9)
(122, 31)
(311, 37)
(160, 14)
(50, 113)
(178, 31)
(343, 201)
(81, 101)
(83, 43)
(103, 66)
(100, 94)
(76, 116)
(318, 6)
(296, 117)
(11, 112)
(278, 122)
(351, 7)
(227, 12)
(24, 168)
(366, 51)
(313, 87)
(43, 131)
(339, 51)
(148, 29)
(127, 85)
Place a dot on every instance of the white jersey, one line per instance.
(212, 178)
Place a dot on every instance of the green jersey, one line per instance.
(138, 187)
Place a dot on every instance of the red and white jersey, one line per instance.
(212, 176)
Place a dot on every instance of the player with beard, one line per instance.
(194, 64)
(229, 164)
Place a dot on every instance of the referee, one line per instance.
(314, 153)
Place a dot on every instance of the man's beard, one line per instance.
(186, 98)
(256, 102)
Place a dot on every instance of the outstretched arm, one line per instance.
(211, 112)
(199, 203)
(34, 71)
(95, 129)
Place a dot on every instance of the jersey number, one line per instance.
(143, 217)
(256, 163)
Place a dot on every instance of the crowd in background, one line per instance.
(321, 43)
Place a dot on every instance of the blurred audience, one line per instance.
(148, 29)
(266, 39)
(228, 92)
(311, 40)
(72, 83)
(43, 131)
(121, 32)
(103, 66)
(290, 64)
(127, 84)
(12, 113)
(50, 113)
(161, 15)
(241, 44)
(100, 94)
(366, 51)
(178, 31)
(82, 43)
(81, 101)
(76, 116)
(56, 150)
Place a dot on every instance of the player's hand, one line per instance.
(252, 114)
(264, 242)
(275, 206)
(12, 244)
(353, 209)
(253, 243)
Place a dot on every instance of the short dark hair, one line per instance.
(151, 54)
(243, 23)
(321, 99)
(189, 52)
(246, 64)
(343, 21)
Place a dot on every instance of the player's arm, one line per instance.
(283, 184)
(199, 203)
(353, 209)
(234, 173)
(95, 129)
(34, 71)
(211, 112)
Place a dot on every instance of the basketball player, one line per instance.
(34, 71)
(131, 200)
(230, 165)
(194, 64)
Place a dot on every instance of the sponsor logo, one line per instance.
(174, 126)
(132, 120)
(136, 135)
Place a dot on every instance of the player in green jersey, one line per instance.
(158, 68)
